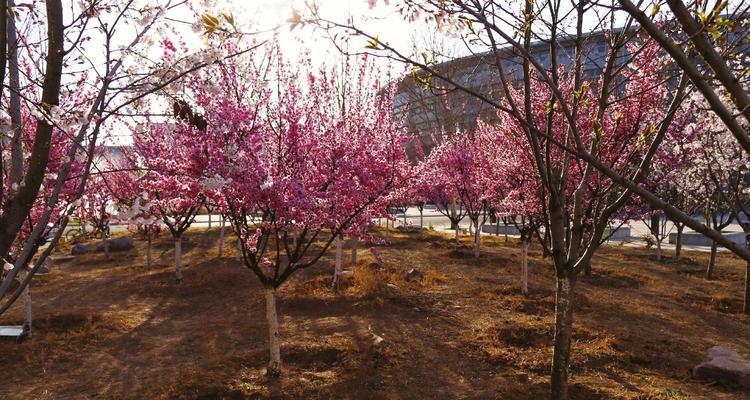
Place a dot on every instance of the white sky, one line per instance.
(382, 21)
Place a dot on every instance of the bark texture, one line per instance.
(337, 268)
(274, 345)
(221, 237)
(563, 333)
(149, 251)
(711, 261)
(525, 268)
(477, 240)
(178, 258)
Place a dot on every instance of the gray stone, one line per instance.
(80, 249)
(726, 366)
(414, 275)
(123, 243)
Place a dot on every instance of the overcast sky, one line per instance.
(382, 21)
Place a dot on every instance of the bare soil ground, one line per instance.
(112, 329)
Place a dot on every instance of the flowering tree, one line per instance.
(131, 203)
(562, 116)
(302, 173)
(452, 173)
(708, 169)
(174, 163)
(142, 219)
(437, 183)
(513, 193)
(97, 205)
(515, 59)
(73, 72)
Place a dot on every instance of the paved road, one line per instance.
(440, 222)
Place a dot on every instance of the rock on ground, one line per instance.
(119, 244)
(414, 275)
(724, 365)
(123, 243)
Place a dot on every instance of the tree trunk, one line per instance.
(239, 249)
(405, 215)
(221, 237)
(149, 251)
(471, 226)
(209, 221)
(457, 239)
(178, 258)
(354, 252)
(454, 225)
(337, 268)
(477, 240)
(658, 248)
(587, 268)
(16, 116)
(18, 205)
(26, 308)
(746, 304)
(563, 332)
(525, 267)
(421, 219)
(711, 261)
(105, 244)
(547, 241)
(274, 346)
(387, 232)
(678, 242)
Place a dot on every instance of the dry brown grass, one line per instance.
(367, 281)
(112, 329)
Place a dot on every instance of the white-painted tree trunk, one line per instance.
(221, 237)
(477, 240)
(274, 345)
(178, 258)
(239, 250)
(525, 267)
(658, 249)
(337, 268)
(457, 239)
(471, 228)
